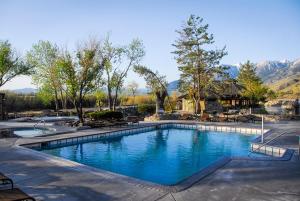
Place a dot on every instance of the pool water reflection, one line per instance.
(164, 156)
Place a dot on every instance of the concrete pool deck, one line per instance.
(53, 179)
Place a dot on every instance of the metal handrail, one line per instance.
(41, 121)
(252, 151)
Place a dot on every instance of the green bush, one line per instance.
(105, 115)
(146, 109)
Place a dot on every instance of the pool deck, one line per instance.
(50, 178)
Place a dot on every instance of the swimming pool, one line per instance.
(164, 156)
(32, 131)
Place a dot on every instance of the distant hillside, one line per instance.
(270, 71)
(173, 86)
(25, 90)
(287, 87)
(233, 70)
(281, 76)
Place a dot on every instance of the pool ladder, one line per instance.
(264, 144)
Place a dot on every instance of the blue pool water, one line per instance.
(164, 156)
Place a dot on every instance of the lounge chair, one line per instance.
(14, 194)
(5, 180)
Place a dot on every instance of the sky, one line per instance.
(254, 30)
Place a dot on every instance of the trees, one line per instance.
(157, 83)
(11, 65)
(117, 63)
(100, 98)
(199, 65)
(133, 87)
(47, 76)
(81, 75)
(253, 86)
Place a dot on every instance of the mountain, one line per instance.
(281, 76)
(173, 86)
(288, 87)
(270, 71)
(233, 70)
(295, 66)
(25, 91)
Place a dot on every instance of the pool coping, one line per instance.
(180, 186)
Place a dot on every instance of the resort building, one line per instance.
(213, 102)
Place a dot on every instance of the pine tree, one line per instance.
(199, 65)
(252, 84)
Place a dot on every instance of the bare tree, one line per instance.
(133, 87)
(81, 75)
(11, 65)
(157, 83)
(117, 62)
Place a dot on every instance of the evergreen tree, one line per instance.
(199, 65)
(252, 84)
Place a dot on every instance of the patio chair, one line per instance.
(14, 194)
(5, 180)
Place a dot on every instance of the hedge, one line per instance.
(146, 108)
(105, 115)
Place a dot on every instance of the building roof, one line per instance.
(228, 91)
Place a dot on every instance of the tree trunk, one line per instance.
(115, 98)
(115, 101)
(109, 96)
(56, 101)
(114, 105)
(63, 100)
(160, 99)
(197, 107)
(80, 115)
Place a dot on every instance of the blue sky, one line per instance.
(251, 29)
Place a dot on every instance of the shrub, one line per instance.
(146, 108)
(105, 115)
(139, 99)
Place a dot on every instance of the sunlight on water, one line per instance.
(161, 156)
